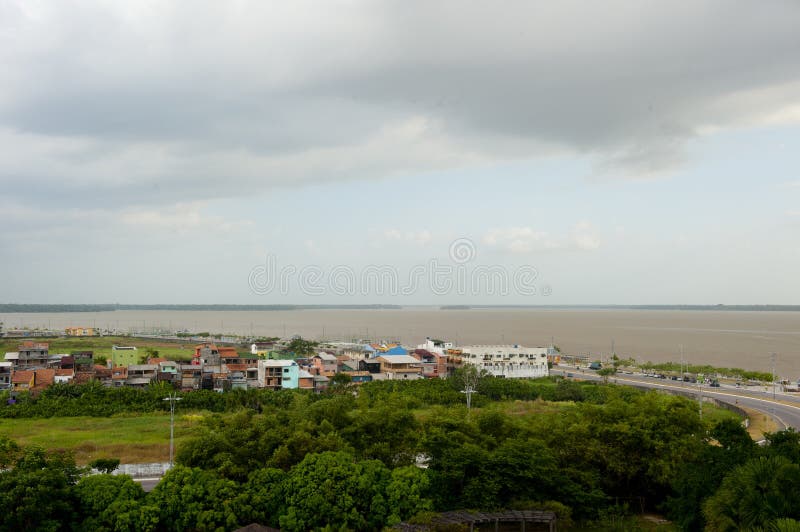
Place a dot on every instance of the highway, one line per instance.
(785, 409)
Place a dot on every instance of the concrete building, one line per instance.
(80, 331)
(325, 364)
(6, 368)
(140, 375)
(436, 346)
(278, 374)
(124, 355)
(400, 367)
(511, 361)
(32, 355)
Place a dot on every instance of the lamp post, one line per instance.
(172, 398)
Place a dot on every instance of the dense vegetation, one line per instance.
(302, 461)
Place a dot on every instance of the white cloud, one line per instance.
(523, 240)
(421, 237)
(182, 218)
(519, 239)
(584, 236)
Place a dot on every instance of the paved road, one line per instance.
(785, 409)
(147, 483)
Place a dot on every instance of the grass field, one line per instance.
(101, 345)
(132, 439)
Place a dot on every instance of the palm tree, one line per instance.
(755, 495)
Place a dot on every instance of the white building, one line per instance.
(435, 346)
(511, 361)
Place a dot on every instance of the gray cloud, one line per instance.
(176, 101)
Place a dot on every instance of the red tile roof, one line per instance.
(44, 378)
(228, 352)
(22, 377)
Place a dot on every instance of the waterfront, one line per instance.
(721, 338)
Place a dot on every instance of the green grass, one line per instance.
(101, 345)
(714, 414)
(132, 439)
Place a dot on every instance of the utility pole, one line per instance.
(681, 364)
(700, 387)
(172, 398)
(773, 376)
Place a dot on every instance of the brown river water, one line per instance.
(721, 338)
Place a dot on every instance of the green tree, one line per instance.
(109, 503)
(36, 493)
(301, 347)
(105, 465)
(262, 497)
(332, 488)
(606, 372)
(754, 495)
(408, 493)
(784, 443)
(193, 499)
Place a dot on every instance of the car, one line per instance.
(714, 384)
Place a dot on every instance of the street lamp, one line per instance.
(172, 398)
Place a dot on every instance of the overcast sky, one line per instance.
(628, 151)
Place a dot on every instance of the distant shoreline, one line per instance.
(17, 308)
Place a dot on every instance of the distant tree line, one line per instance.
(706, 369)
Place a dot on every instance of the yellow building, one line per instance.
(81, 331)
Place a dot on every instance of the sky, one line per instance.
(438, 152)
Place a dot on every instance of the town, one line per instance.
(275, 364)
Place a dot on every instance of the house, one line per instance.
(119, 376)
(206, 354)
(399, 367)
(278, 374)
(305, 380)
(228, 355)
(124, 355)
(190, 376)
(43, 378)
(12, 358)
(436, 346)
(64, 375)
(140, 375)
(370, 365)
(6, 368)
(321, 383)
(83, 360)
(168, 372)
(22, 380)
(103, 374)
(32, 355)
(237, 375)
(81, 331)
(261, 349)
(396, 350)
(511, 361)
(325, 363)
(359, 377)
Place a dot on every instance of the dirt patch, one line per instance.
(760, 423)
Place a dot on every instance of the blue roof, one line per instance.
(368, 347)
(396, 351)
